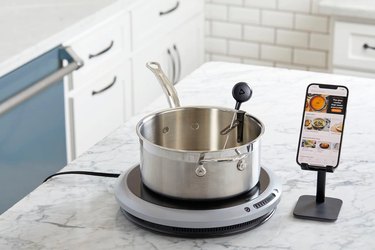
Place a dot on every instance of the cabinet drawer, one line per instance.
(160, 16)
(97, 109)
(349, 46)
(101, 44)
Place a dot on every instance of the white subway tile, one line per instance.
(225, 58)
(274, 53)
(257, 62)
(229, 30)
(290, 66)
(270, 4)
(277, 19)
(216, 12)
(244, 15)
(315, 6)
(292, 38)
(230, 2)
(243, 49)
(259, 34)
(216, 45)
(295, 5)
(311, 23)
(320, 41)
(310, 58)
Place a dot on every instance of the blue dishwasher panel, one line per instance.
(32, 135)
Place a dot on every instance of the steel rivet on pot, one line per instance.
(165, 130)
(200, 171)
(241, 165)
(195, 125)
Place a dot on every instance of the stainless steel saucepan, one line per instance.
(198, 152)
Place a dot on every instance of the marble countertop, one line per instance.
(30, 28)
(80, 212)
(348, 8)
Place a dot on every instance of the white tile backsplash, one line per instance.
(292, 38)
(259, 34)
(295, 5)
(231, 2)
(216, 45)
(264, 4)
(281, 33)
(311, 23)
(228, 30)
(216, 12)
(275, 53)
(311, 58)
(320, 41)
(243, 49)
(277, 19)
(244, 15)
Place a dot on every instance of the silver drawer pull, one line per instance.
(366, 46)
(95, 92)
(75, 62)
(103, 51)
(162, 13)
(173, 66)
(178, 63)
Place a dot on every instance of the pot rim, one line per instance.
(150, 116)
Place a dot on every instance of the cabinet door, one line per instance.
(185, 46)
(145, 86)
(188, 46)
(98, 109)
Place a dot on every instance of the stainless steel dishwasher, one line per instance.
(32, 123)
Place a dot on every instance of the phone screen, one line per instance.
(322, 125)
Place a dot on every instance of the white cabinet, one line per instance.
(114, 83)
(98, 95)
(98, 108)
(350, 46)
(354, 49)
(179, 51)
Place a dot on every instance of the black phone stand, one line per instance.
(318, 207)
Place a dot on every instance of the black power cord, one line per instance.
(112, 175)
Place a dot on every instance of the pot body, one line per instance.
(184, 153)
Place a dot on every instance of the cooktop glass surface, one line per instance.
(136, 186)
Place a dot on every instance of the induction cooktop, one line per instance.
(197, 218)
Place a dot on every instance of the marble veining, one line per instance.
(80, 212)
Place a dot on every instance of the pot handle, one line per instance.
(226, 159)
(165, 83)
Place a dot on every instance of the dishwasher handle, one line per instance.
(67, 53)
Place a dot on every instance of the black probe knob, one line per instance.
(241, 93)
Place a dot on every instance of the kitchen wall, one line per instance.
(281, 33)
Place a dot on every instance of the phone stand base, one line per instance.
(308, 208)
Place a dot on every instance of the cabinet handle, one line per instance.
(366, 46)
(95, 92)
(173, 66)
(162, 13)
(103, 51)
(75, 62)
(178, 63)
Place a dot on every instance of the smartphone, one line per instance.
(322, 125)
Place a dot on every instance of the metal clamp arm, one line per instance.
(75, 62)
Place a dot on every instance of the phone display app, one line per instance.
(322, 126)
